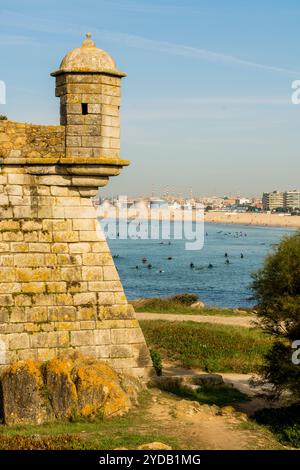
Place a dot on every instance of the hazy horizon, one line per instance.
(207, 102)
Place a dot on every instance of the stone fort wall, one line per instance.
(18, 140)
(59, 288)
(96, 131)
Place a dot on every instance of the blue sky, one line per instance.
(207, 101)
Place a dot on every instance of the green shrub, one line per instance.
(3, 118)
(156, 360)
(184, 299)
(277, 290)
(283, 422)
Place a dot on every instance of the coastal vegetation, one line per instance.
(210, 347)
(220, 395)
(157, 361)
(283, 422)
(182, 304)
(276, 289)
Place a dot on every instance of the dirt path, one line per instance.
(248, 322)
(202, 427)
(209, 427)
(242, 382)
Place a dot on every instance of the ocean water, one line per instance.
(224, 285)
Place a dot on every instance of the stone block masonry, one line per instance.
(96, 132)
(59, 288)
(88, 84)
(19, 140)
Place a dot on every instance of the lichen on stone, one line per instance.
(35, 392)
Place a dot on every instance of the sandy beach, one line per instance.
(244, 218)
(248, 218)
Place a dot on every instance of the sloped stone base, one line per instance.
(59, 289)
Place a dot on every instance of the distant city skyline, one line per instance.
(207, 102)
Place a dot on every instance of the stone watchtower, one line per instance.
(89, 86)
(59, 288)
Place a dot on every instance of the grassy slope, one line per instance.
(220, 395)
(214, 348)
(127, 431)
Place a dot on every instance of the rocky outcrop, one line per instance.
(193, 380)
(33, 392)
(22, 398)
(198, 304)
